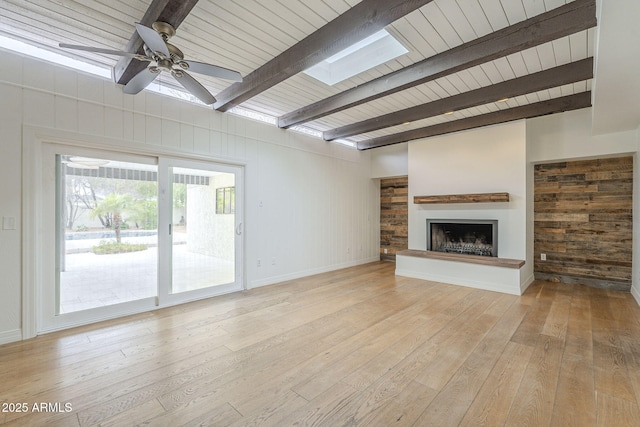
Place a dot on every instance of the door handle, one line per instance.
(239, 229)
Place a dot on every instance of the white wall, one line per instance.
(616, 86)
(568, 136)
(210, 233)
(311, 206)
(390, 161)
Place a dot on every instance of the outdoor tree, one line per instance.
(144, 211)
(79, 196)
(115, 205)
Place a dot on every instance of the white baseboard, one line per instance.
(304, 273)
(10, 336)
(636, 294)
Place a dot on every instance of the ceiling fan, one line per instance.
(164, 56)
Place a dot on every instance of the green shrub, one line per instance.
(113, 247)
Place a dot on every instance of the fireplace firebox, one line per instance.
(463, 236)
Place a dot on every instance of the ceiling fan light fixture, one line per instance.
(165, 64)
(164, 56)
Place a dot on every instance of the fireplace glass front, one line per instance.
(463, 236)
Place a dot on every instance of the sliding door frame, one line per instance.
(49, 317)
(165, 198)
(33, 253)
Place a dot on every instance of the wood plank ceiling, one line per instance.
(463, 57)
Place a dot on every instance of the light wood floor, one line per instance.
(353, 347)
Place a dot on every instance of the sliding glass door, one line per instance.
(132, 233)
(202, 220)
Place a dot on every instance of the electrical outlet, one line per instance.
(385, 250)
(273, 261)
(259, 263)
(543, 257)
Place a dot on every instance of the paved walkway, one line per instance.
(91, 280)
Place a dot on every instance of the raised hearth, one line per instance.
(490, 273)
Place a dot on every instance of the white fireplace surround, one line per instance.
(485, 160)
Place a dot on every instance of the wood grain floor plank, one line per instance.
(455, 351)
(491, 405)
(311, 387)
(531, 326)
(195, 413)
(611, 374)
(404, 409)
(136, 415)
(575, 396)
(272, 411)
(222, 415)
(312, 376)
(130, 376)
(558, 317)
(369, 372)
(319, 410)
(463, 387)
(233, 373)
(358, 346)
(534, 401)
(613, 411)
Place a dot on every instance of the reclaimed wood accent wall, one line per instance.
(583, 222)
(394, 216)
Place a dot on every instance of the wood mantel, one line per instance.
(462, 198)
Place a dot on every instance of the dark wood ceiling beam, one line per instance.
(556, 105)
(170, 11)
(565, 20)
(553, 77)
(357, 23)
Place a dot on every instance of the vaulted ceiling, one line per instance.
(469, 63)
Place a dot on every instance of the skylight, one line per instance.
(56, 58)
(370, 52)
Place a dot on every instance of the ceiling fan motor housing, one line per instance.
(164, 29)
(164, 56)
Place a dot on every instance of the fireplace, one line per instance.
(463, 236)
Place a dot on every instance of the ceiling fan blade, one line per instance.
(98, 50)
(214, 71)
(152, 39)
(193, 86)
(140, 81)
